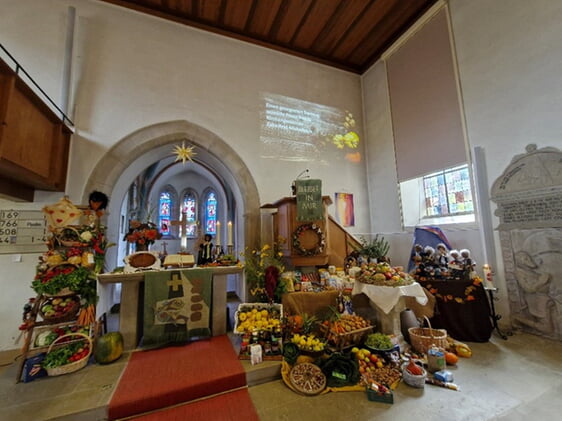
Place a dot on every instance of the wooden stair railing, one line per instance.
(341, 242)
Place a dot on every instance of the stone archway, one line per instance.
(116, 170)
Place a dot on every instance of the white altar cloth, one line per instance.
(387, 297)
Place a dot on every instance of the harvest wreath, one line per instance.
(320, 244)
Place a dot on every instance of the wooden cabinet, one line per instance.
(34, 142)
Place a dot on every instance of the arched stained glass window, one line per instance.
(189, 212)
(164, 212)
(211, 213)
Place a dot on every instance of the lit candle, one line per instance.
(487, 276)
(183, 242)
(229, 233)
(218, 233)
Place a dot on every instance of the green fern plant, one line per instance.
(377, 248)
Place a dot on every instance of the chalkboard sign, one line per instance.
(22, 231)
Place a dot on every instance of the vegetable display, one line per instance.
(52, 281)
(66, 355)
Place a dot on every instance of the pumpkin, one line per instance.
(109, 347)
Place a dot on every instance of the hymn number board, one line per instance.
(22, 231)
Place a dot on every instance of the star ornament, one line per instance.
(184, 153)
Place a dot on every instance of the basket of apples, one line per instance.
(60, 309)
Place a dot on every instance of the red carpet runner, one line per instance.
(174, 375)
(231, 406)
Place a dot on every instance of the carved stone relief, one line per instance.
(529, 198)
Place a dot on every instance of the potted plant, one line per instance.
(375, 250)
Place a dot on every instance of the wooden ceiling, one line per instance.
(346, 34)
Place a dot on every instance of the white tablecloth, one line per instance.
(387, 297)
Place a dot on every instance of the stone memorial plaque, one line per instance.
(529, 199)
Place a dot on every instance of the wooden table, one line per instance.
(129, 308)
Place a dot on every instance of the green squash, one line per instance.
(108, 348)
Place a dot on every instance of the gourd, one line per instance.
(463, 351)
(109, 347)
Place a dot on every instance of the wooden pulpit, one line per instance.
(307, 241)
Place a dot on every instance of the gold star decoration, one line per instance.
(184, 153)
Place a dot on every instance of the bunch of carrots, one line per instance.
(87, 315)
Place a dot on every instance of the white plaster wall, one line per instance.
(381, 163)
(132, 70)
(509, 60)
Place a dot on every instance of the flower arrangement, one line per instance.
(142, 233)
(263, 268)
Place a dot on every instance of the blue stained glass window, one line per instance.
(164, 208)
(211, 214)
(189, 212)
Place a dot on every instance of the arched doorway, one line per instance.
(115, 172)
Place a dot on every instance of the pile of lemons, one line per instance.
(255, 319)
(308, 342)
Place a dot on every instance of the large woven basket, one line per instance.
(423, 338)
(74, 366)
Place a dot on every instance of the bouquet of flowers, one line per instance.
(142, 233)
(263, 268)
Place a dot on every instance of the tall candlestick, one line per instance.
(218, 239)
(229, 233)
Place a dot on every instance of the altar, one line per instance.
(388, 302)
(129, 324)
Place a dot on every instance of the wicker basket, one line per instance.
(423, 338)
(340, 341)
(73, 366)
(61, 234)
(69, 315)
(412, 379)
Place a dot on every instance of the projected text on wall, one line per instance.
(297, 130)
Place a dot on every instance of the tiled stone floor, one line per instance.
(516, 379)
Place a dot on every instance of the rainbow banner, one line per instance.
(345, 212)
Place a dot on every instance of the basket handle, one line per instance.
(71, 334)
(429, 325)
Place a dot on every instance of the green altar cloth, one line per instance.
(177, 306)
